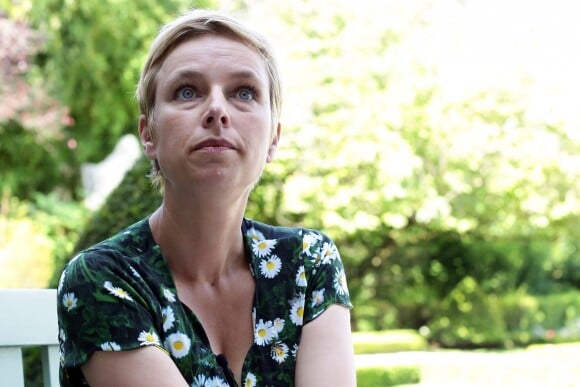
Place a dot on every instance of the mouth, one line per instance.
(213, 145)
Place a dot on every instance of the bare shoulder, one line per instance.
(326, 354)
(147, 366)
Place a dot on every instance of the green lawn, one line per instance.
(539, 365)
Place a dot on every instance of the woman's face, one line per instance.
(212, 118)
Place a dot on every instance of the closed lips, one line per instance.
(213, 144)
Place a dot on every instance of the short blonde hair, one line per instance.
(193, 24)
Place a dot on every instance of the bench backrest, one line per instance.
(28, 318)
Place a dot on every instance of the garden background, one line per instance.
(437, 142)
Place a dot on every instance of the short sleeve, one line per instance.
(103, 305)
(327, 284)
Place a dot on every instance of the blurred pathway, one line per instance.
(550, 366)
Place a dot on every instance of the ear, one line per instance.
(145, 133)
(274, 143)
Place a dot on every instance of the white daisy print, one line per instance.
(270, 267)
(329, 252)
(340, 282)
(255, 234)
(216, 381)
(251, 380)
(178, 344)
(116, 291)
(294, 350)
(168, 294)
(62, 335)
(301, 277)
(297, 309)
(168, 318)
(308, 241)
(279, 352)
(199, 381)
(278, 325)
(69, 300)
(148, 338)
(263, 332)
(110, 346)
(263, 247)
(317, 297)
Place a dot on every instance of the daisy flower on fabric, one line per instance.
(301, 277)
(255, 234)
(294, 350)
(62, 335)
(278, 325)
(317, 297)
(308, 241)
(178, 344)
(340, 282)
(148, 338)
(110, 346)
(216, 381)
(263, 247)
(251, 380)
(69, 300)
(279, 352)
(168, 294)
(116, 291)
(168, 318)
(297, 309)
(199, 381)
(270, 267)
(263, 332)
(329, 252)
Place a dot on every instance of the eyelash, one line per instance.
(180, 89)
(252, 90)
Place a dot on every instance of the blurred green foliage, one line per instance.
(454, 207)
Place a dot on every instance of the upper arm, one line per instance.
(143, 367)
(326, 355)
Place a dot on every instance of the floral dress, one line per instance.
(120, 295)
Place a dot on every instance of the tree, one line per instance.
(94, 53)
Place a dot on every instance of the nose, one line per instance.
(216, 114)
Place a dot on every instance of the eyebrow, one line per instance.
(194, 74)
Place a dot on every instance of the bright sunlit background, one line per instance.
(436, 141)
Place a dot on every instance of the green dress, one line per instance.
(120, 295)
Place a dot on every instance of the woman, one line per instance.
(196, 294)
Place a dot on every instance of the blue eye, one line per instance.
(246, 94)
(186, 92)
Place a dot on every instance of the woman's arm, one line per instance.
(142, 367)
(326, 355)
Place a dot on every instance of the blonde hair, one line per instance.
(193, 24)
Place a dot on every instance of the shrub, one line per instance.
(536, 319)
(468, 318)
(131, 201)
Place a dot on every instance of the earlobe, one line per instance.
(274, 144)
(146, 138)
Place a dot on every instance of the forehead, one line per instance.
(209, 52)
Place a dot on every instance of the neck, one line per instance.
(201, 239)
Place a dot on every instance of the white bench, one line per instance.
(28, 318)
